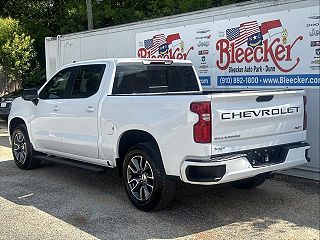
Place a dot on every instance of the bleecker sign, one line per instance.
(275, 51)
(193, 42)
(269, 50)
(279, 49)
(159, 47)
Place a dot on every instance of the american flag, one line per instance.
(148, 43)
(239, 35)
(155, 42)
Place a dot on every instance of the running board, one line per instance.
(65, 161)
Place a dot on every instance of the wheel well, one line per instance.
(14, 123)
(128, 140)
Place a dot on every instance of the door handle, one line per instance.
(55, 108)
(90, 109)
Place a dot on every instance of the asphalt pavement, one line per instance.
(63, 202)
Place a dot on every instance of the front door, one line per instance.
(45, 122)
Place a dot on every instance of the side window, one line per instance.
(87, 81)
(57, 86)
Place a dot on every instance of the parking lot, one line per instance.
(62, 202)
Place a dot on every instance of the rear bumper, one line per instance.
(237, 166)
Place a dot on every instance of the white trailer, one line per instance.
(122, 41)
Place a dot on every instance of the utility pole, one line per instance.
(89, 14)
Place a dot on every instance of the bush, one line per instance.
(16, 53)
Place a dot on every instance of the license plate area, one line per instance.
(3, 105)
(267, 156)
(263, 156)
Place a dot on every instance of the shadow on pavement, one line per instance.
(97, 204)
(4, 141)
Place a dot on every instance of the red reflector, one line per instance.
(202, 129)
(305, 116)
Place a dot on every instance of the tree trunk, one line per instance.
(89, 14)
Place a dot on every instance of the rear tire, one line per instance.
(249, 182)
(146, 183)
(22, 149)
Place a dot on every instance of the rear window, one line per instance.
(154, 79)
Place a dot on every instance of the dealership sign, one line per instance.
(280, 49)
(194, 42)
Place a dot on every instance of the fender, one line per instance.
(21, 110)
(114, 141)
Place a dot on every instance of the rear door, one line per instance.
(247, 120)
(79, 112)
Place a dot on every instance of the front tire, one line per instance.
(22, 150)
(146, 183)
(249, 182)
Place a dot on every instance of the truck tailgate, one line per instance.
(256, 119)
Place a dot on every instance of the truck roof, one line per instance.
(129, 60)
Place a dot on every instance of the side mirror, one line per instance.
(30, 95)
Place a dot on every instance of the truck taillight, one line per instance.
(305, 116)
(202, 129)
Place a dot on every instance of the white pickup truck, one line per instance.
(152, 120)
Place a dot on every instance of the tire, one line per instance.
(143, 169)
(249, 182)
(22, 149)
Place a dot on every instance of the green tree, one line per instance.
(16, 53)
(43, 18)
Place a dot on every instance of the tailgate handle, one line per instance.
(266, 98)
